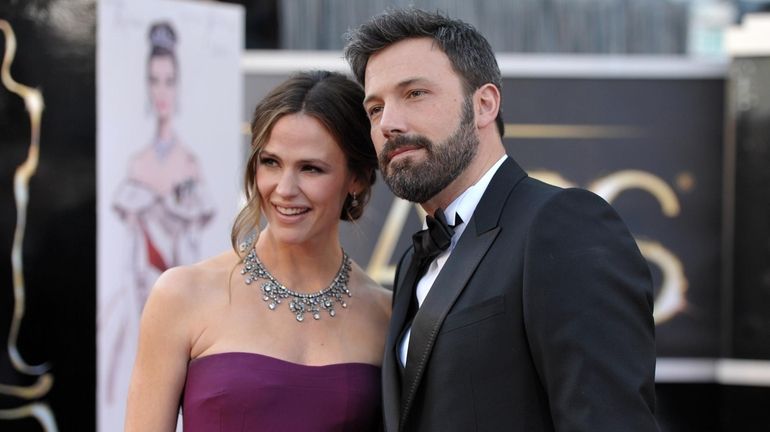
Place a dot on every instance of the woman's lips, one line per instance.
(290, 211)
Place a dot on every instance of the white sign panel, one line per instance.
(169, 91)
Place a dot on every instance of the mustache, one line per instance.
(400, 141)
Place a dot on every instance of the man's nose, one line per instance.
(392, 122)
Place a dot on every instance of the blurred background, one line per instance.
(662, 107)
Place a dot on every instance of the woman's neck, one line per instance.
(164, 138)
(305, 267)
(164, 130)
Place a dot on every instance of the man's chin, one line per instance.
(401, 164)
(408, 189)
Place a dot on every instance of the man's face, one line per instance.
(423, 125)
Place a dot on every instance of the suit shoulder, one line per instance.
(534, 192)
(527, 199)
(576, 219)
(576, 203)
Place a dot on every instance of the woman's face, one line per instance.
(303, 180)
(162, 83)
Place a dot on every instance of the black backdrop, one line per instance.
(56, 54)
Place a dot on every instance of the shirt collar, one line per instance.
(465, 204)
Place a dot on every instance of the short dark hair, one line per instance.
(468, 51)
(336, 102)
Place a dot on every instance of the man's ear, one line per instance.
(487, 105)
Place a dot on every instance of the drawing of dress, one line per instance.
(164, 205)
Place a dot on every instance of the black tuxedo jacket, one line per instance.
(540, 320)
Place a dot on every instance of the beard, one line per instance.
(444, 162)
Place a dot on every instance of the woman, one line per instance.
(285, 332)
(162, 201)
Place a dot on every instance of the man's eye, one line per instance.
(373, 111)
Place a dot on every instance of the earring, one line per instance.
(354, 201)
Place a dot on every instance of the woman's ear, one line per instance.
(355, 186)
(487, 104)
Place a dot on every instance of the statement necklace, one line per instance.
(273, 292)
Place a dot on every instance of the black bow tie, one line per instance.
(430, 242)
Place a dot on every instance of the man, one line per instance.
(537, 316)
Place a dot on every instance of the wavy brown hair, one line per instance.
(336, 102)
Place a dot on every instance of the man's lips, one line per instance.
(401, 150)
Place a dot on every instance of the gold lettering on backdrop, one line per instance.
(611, 186)
(670, 299)
(33, 101)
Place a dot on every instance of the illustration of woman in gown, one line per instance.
(163, 204)
(162, 201)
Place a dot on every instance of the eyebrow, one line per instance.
(404, 83)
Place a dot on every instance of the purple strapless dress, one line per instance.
(236, 392)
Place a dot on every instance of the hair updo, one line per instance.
(163, 40)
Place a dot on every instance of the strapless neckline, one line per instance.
(264, 357)
(246, 391)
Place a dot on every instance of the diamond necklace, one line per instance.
(273, 292)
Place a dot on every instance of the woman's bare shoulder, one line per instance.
(196, 283)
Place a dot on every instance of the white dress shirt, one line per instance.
(464, 206)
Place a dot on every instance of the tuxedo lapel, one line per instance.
(447, 287)
(453, 279)
(403, 297)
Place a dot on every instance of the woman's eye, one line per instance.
(416, 93)
(268, 162)
(312, 169)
